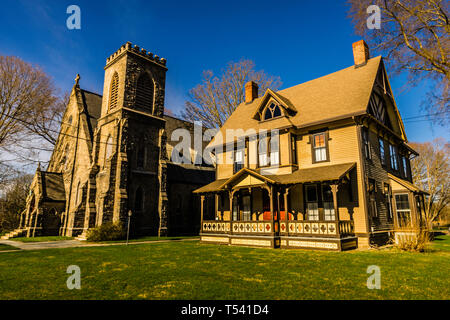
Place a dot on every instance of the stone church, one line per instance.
(113, 155)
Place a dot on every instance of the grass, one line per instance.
(5, 247)
(190, 270)
(150, 238)
(41, 239)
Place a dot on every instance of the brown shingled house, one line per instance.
(339, 179)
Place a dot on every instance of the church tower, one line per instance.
(129, 152)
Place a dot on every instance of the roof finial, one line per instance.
(39, 166)
(77, 80)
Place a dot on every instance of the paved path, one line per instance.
(72, 244)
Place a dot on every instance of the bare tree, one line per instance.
(431, 172)
(213, 101)
(30, 109)
(414, 36)
(14, 201)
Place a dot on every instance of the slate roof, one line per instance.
(93, 106)
(185, 173)
(337, 95)
(53, 186)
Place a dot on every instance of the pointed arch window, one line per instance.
(108, 147)
(114, 91)
(139, 200)
(65, 159)
(141, 156)
(145, 92)
(272, 111)
(79, 194)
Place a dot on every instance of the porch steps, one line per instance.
(14, 234)
(81, 237)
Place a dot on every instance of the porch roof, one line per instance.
(406, 184)
(211, 187)
(322, 173)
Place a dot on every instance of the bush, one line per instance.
(416, 241)
(107, 232)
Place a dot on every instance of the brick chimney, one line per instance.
(360, 53)
(251, 91)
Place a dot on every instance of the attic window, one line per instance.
(272, 111)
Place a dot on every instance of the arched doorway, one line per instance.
(51, 222)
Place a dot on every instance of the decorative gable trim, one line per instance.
(288, 108)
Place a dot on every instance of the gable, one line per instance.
(341, 94)
(382, 103)
(274, 106)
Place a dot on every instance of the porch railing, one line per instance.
(238, 227)
(317, 228)
(292, 227)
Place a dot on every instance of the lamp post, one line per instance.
(128, 227)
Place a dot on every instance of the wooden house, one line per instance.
(339, 177)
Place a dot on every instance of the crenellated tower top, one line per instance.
(129, 47)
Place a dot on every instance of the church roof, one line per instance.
(93, 106)
(337, 95)
(53, 186)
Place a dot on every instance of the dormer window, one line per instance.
(272, 111)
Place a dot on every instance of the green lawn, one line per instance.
(151, 238)
(41, 239)
(5, 247)
(190, 270)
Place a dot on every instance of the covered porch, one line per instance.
(309, 208)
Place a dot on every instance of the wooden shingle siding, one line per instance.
(376, 171)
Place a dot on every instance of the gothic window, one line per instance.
(144, 92)
(272, 111)
(108, 147)
(139, 200)
(114, 91)
(78, 194)
(65, 157)
(141, 156)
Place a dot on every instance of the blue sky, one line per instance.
(296, 40)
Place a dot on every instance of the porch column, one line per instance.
(202, 207)
(216, 205)
(231, 194)
(334, 190)
(286, 206)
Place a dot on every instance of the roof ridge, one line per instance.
(327, 75)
